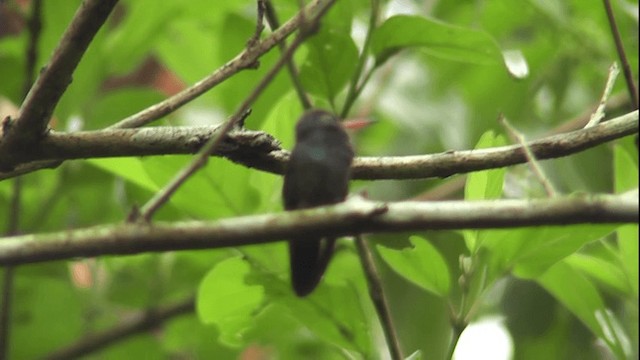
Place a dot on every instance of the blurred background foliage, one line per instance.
(444, 72)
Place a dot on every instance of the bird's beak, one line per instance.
(357, 123)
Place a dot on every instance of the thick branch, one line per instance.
(43, 97)
(351, 217)
(260, 150)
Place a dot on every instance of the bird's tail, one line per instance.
(309, 259)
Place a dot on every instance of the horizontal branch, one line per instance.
(456, 162)
(351, 217)
(260, 150)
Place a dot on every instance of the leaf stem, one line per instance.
(356, 86)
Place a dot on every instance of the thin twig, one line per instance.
(353, 216)
(598, 115)
(531, 158)
(34, 25)
(255, 39)
(5, 311)
(626, 68)
(202, 158)
(378, 298)
(618, 103)
(356, 85)
(138, 323)
(274, 23)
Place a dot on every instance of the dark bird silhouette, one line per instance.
(317, 174)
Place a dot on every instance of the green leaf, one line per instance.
(436, 38)
(601, 270)
(219, 189)
(225, 300)
(531, 251)
(423, 265)
(35, 298)
(626, 178)
(130, 42)
(486, 184)
(334, 314)
(581, 297)
(129, 169)
(331, 60)
(112, 106)
(483, 185)
(625, 170)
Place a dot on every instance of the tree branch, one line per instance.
(351, 217)
(378, 298)
(626, 68)
(261, 151)
(43, 97)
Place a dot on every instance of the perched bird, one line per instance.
(317, 174)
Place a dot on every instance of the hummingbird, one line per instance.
(317, 174)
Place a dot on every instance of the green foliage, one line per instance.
(437, 38)
(438, 83)
(422, 265)
(330, 63)
(231, 309)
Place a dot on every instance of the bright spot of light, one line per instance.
(487, 339)
(516, 63)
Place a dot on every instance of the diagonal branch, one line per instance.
(354, 216)
(43, 97)
(246, 59)
(626, 68)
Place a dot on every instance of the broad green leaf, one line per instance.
(225, 300)
(531, 251)
(183, 52)
(625, 170)
(486, 184)
(334, 314)
(129, 169)
(131, 41)
(626, 178)
(115, 105)
(581, 297)
(219, 189)
(330, 63)
(423, 265)
(483, 185)
(436, 38)
(601, 270)
(43, 302)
